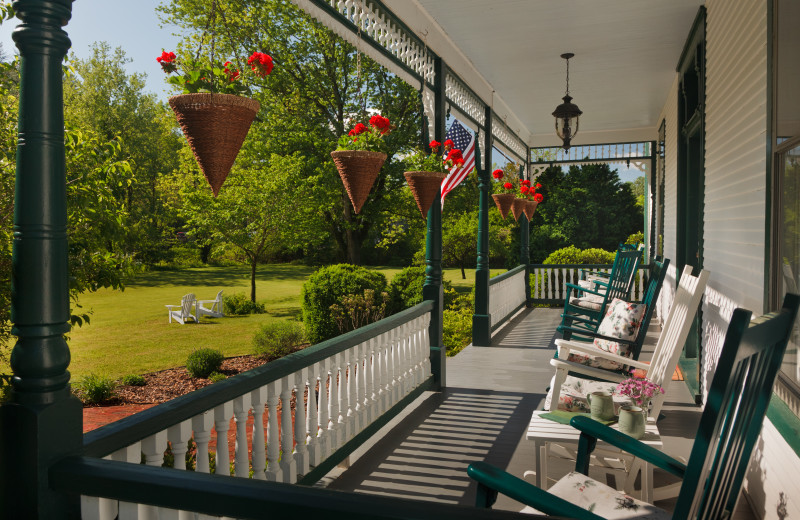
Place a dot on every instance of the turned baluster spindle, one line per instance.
(323, 413)
(153, 448)
(273, 472)
(202, 425)
(241, 409)
(300, 429)
(258, 399)
(312, 421)
(222, 423)
(288, 466)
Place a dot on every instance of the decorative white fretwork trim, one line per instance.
(514, 145)
(637, 154)
(464, 99)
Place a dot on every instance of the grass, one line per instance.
(129, 332)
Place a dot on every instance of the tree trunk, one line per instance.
(253, 263)
(353, 247)
(205, 253)
(463, 274)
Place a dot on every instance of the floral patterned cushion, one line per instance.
(572, 397)
(622, 320)
(590, 301)
(602, 500)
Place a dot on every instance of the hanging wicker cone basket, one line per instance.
(530, 208)
(358, 170)
(517, 207)
(425, 187)
(215, 126)
(503, 202)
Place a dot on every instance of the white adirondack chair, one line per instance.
(665, 356)
(214, 310)
(182, 312)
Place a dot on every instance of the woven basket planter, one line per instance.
(530, 208)
(517, 207)
(425, 186)
(358, 170)
(215, 126)
(503, 202)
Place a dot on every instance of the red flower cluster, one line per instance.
(538, 197)
(260, 63)
(360, 128)
(448, 144)
(524, 189)
(434, 146)
(233, 75)
(508, 185)
(167, 62)
(497, 174)
(526, 183)
(381, 123)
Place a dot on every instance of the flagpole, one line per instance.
(481, 320)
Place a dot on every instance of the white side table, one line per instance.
(543, 431)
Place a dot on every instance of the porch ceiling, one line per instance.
(626, 52)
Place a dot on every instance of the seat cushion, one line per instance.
(602, 500)
(572, 397)
(590, 302)
(622, 320)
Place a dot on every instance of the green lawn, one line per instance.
(129, 332)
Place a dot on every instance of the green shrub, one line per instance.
(357, 310)
(93, 389)
(133, 380)
(573, 255)
(457, 330)
(597, 256)
(204, 361)
(405, 290)
(636, 238)
(238, 304)
(326, 287)
(216, 376)
(277, 338)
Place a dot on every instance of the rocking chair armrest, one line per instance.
(594, 335)
(583, 289)
(579, 370)
(601, 274)
(492, 480)
(564, 347)
(591, 431)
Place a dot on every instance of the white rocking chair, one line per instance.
(214, 310)
(183, 311)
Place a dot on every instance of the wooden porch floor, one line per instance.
(484, 415)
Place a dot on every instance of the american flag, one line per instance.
(463, 140)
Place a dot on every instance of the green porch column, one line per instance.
(524, 247)
(481, 320)
(432, 290)
(43, 420)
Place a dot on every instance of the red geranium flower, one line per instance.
(434, 145)
(381, 123)
(524, 189)
(459, 162)
(508, 185)
(260, 63)
(538, 197)
(538, 185)
(497, 174)
(454, 155)
(526, 182)
(167, 62)
(360, 128)
(448, 144)
(232, 75)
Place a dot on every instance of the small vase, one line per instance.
(631, 421)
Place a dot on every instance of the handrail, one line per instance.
(508, 274)
(548, 281)
(116, 435)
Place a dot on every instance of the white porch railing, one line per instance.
(311, 405)
(506, 295)
(548, 281)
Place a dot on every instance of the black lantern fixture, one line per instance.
(567, 113)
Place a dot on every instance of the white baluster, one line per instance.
(202, 424)
(379, 388)
(273, 440)
(300, 435)
(312, 421)
(323, 413)
(258, 399)
(241, 407)
(358, 376)
(393, 360)
(222, 423)
(416, 349)
(133, 455)
(369, 390)
(335, 402)
(153, 448)
(385, 378)
(178, 436)
(288, 466)
(94, 508)
(349, 417)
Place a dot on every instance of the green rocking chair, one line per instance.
(729, 428)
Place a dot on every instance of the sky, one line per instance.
(134, 26)
(131, 25)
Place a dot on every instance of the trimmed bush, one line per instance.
(328, 286)
(457, 330)
(215, 377)
(573, 255)
(94, 389)
(237, 304)
(405, 290)
(204, 361)
(133, 380)
(357, 310)
(277, 338)
(636, 238)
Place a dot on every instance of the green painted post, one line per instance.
(43, 420)
(481, 320)
(524, 249)
(432, 289)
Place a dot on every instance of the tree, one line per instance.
(587, 207)
(637, 188)
(254, 214)
(100, 96)
(312, 97)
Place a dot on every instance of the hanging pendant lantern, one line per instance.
(567, 114)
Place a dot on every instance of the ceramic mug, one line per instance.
(601, 404)
(631, 421)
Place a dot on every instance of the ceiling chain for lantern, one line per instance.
(567, 113)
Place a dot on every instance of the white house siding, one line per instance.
(670, 116)
(773, 470)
